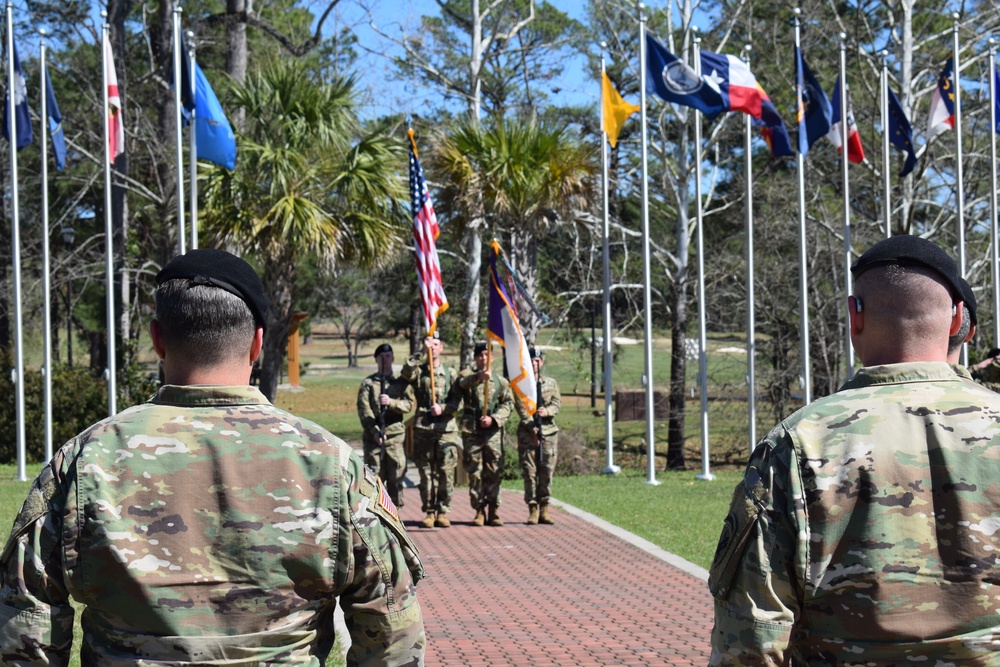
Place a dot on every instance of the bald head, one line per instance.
(907, 314)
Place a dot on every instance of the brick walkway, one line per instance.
(569, 594)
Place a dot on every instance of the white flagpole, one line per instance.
(178, 131)
(706, 473)
(46, 268)
(193, 145)
(845, 128)
(646, 288)
(800, 163)
(995, 260)
(609, 468)
(886, 185)
(109, 237)
(751, 316)
(959, 185)
(15, 223)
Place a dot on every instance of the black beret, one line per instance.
(480, 347)
(384, 347)
(907, 250)
(535, 353)
(970, 300)
(218, 268)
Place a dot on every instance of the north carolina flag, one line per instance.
(116, 129)
(942, 112)
(614, 110)
(503, 327)
(855, 151)
(731, 77)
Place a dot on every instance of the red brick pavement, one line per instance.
(567, 594)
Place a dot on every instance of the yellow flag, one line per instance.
(616, 110)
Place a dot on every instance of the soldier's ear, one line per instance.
(156, 333)
(257, 344)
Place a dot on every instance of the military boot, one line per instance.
(442, 520)
(480, 518)
(495, 519)
(544, 516)
(428, 521)
(532, 514)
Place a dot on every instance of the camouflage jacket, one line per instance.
(865, 530)
(500, 406)
(400, 395)
(550, 399)
(445, 393)
(208, 527)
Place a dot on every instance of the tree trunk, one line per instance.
(474, 253)
(280, 278)
(236, 52)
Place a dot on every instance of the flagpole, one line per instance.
(995, 260)
(109, 238)
(46, 267)
(646, 289)
(748, 231)
(845, 128)
(193, 143)
(178, 131)
(609, 468)
(800, 164)
(706, 473)
(959, 184)
(16, 250)
(886, 185)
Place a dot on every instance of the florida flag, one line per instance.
(504, 328)
(116, 129)
(942, 113)
(855, 151)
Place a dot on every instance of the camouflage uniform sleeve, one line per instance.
(555, 400)
(404, 400)
(505, 404)
(36, 619)
(365, 413)
(377, 579)
(453, 402)
(466, 379)
(411, 369)
(522, 411)
(758, 567)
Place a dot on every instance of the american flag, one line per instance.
(425, 233)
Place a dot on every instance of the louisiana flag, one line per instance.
(425, 233)
(505, 328)
(901, 133)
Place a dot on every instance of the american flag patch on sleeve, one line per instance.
(385, 502)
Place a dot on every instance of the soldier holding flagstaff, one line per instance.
(488, 404)
(537, 440)
(435, 433)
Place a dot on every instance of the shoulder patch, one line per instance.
(385, 502)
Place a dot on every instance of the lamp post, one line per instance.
(68, 236)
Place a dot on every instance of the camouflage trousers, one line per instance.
(482, 460)
(393, 468)
(537, 478)
(436, 457)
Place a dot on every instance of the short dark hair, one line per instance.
(204, 324)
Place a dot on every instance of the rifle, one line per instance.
(381, 421)
(539, 438)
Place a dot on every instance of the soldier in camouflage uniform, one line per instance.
(864, 531)
(482, 434)
(208, 526)
(538, 473)
(383, 400)
(435, 433)
(987, 371)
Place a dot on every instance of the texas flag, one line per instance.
(731, 76)
(855, 151)
(942, 113)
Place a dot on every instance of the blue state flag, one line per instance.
(215, 139)
(672, 80)
(901, 134)
(772, 127)
(55, 123)
(21, 113)
(996, 101)
(815, 113)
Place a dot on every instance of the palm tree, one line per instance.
(307, 181)
(525, 175)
